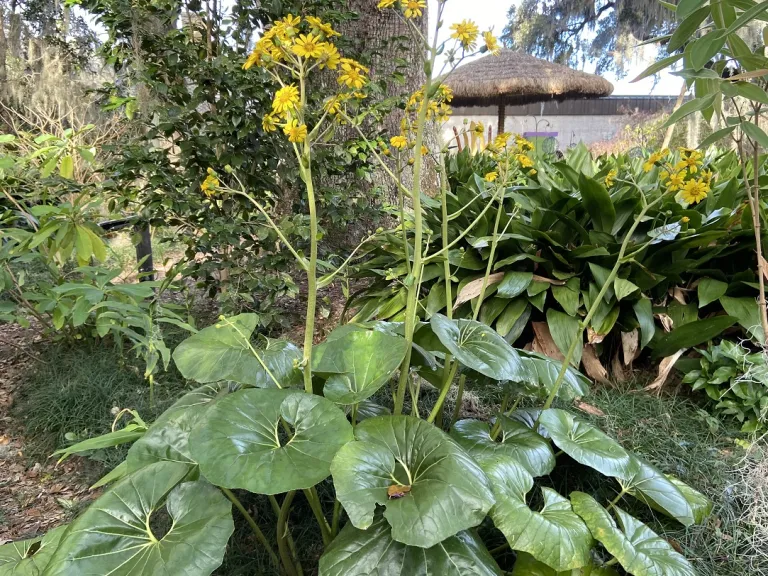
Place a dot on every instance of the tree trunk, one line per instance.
(3, 54)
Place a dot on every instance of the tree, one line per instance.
(570, 31)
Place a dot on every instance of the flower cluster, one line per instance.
(210, 184)
(683, 175)
(409, 8)
(296, 46)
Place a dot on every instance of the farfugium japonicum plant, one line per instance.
(409, 490)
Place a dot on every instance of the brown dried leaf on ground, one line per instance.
(592, 365)
(665, 367)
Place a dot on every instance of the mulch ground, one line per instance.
(34, 495)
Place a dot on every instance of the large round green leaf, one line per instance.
(543, 372)
(223, 352)
(585, 443)
(555, 536)
(114, 535)
(241, 441)
(527, 565)
(515, 440)
(649, 484)
(479, 348)
(357, 363)
(638, 549)
(29, 557)
(168, 437)
(358, 552)
(448, 491)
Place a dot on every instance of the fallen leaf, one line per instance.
(593, 337)
(592, 365)
(588, 408)
(678, 294)
(630, 344)
(543, 342)
(473, 289)
(666, 322)
(544, 279)
(618, 373)
(665, 367)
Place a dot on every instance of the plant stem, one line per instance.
(497, 425)
(437, 408)
(317, 510)
(401, 201)
(309, 325)
(619, 496)
(252, 523)
(282, 532)
(459, 397)
(489, 267)
(336, 518)
(499, 549)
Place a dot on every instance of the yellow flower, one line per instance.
(296, 132)
(254, 58)
(501, 140)
(466, 33)
(308, 46)
(707, 175)
(413, 8)
(333, 105)
(692, 159)
(525, 162)
(286, 99)
(694, 192)
(321, 27)
(479, 129)
(444, 112)
(289, 26)
(651, 162)
(532, 172)
(399, 142)
(329, 57)
(386, 4)
(610, 178)
(269, 123)
(351, 74)
(491, 43)
(676, 181)
(444, 93)
(685, 219)
(523, 144)
(491, 176)
(210, 183)
(424, 150)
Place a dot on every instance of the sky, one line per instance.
(493, 14)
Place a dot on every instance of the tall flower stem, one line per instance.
(282, 535)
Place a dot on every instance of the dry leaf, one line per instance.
(593, 337)
(544, 279)
(588, 408)
(678, 294)
(618, 373)
(666, 322)
(665, 367)
(748, 75)
(473, 289)
(630, 344)
(592, 365)
(543, 342)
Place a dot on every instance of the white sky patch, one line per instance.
(493, 14)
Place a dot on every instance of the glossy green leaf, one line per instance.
(702, 51)
(448, 490)
(747, 314)
(685, 30)
(357, 364)
(513, 320)
(113, 536)
(555, 535)
(649, 484)
(567, 298)
(565, 331)
(585, 443)
(639, 550)
(598, 203)
(544, 371)
(168, 437)
(492, 309)
(700, 504)
(223, 352)
(527, 565)
(356, 552)
(479, 348)
(29, 557)
(515, 440)
(513, 284)
(690, 107)
(644, 314)
(692, 334)
(623, 288)
(710, 290)
(240, 442)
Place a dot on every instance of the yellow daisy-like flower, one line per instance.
(288, 26)
(386, 4)
(694, 191)
(523, 144)
(491, 176)
(351, 75)
(286, 99)
(296, 132)
(491, 43)
(322, 27)
(707, 175)
(676, 181)
(424, 150)
(329, 57)
(610, 178)
(413, 8)
(444, 93)
(525, 162)
(269, 123)
(210, 183)
(692, 159)
(308, 46)
(399, 142)
(444, 112)
(501, 140)
(254, 58)
(466, 33)
(651, 162)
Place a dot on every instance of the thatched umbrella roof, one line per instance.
(517, 78)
